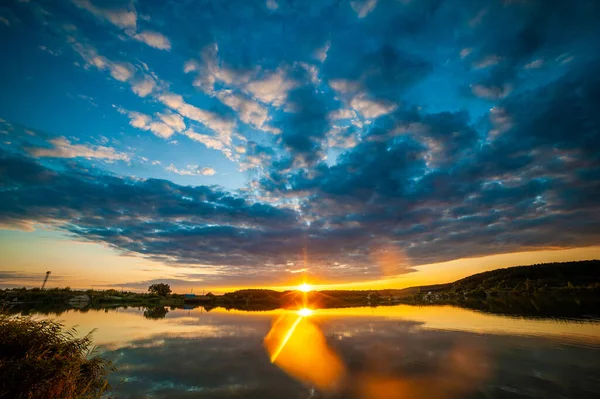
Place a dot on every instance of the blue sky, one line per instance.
(226, 137)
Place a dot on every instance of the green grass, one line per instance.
(41, 359)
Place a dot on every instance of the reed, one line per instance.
(42, 359)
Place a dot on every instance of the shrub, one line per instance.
(41, 359)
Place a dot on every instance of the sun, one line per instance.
(305, 287)
(305, 312)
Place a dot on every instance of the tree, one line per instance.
(161, 289)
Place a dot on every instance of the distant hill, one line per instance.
(582, 274)
(566, 289)
(538, 277)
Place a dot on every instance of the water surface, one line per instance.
(383, 352)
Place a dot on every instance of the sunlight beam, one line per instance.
(285, 339)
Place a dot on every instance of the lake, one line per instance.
(369, 352)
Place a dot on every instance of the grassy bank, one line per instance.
(41, 359)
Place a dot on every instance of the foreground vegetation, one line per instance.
(41, 359)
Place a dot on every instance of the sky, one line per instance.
(216, 144)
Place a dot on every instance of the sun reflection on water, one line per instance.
(297, 345)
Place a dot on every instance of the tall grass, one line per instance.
(41, 359)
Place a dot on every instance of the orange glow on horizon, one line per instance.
(106, 269)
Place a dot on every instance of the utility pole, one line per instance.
(46, 279)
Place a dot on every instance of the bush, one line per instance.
(40, 359)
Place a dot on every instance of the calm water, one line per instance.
(385, 352)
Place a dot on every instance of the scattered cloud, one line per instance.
(370, 108)
(153, 39)
(121, 71)
(535, 64)
(191, 170)
(146, 122)
(124, 17)
(63, 148)
(272, 5)
(465, 52)
(477, 19)
(272, 88)
(175, 121)
(343, 113)
(487, 61)
(491, 92)
(363, 7)
(249, 111)
(321, 53)
(214, 121)
(143, 86)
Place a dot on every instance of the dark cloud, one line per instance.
(515, 35)
(304, 129)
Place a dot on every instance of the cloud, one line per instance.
(191, 170)
(487, 61)
(272, 88)
(125, 17)
(121, 71)
(63, 148)
(210, 70)
(211, 120)
(344, 86)
(371, 109)
(341, 114)
(272, 5)
(321, 53)
(153, 39)
(478, 18)
(390, 133)
(219, 143)
(535, 64)
(491, 92)
(249, 111)
(145, 122)
(174, 121)
(342, 137)
(465, 52)
(363, 7)
(144, 86)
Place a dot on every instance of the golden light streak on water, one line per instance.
(285, 339)
(298, 347)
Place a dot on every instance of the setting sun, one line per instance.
(304, 287)
(305, 312)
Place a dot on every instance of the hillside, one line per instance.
(546, 276)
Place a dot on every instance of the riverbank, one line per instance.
(570, 288)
